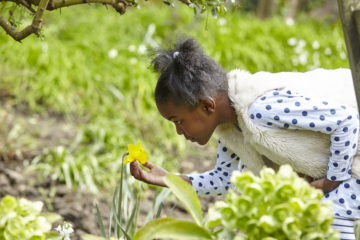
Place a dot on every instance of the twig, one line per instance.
(35, 27)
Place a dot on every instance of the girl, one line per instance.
(308, 120)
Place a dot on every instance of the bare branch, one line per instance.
(17, 35)
(119, 5)
(33, 28)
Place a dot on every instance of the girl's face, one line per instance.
(196, 124)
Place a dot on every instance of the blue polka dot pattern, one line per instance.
(217, 181)
(303, 113)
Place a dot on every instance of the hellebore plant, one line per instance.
(136, 153)
(22, 219)
(279, 206)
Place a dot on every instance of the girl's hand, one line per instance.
(325, 184)
(154, 176)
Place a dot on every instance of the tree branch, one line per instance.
(119, 5)
(33, 28)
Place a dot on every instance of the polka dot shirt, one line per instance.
(287, 109)
(217, 181)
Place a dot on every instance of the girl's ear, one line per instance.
(208, 105)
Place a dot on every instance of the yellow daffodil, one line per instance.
(136, 153)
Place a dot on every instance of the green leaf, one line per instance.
(51, 217)
(357, 229)
(93, 237)
(100, 221)
(171, 228)
(186, 194)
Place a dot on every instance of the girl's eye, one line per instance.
(178, 122)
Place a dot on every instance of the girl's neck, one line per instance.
(226, 112)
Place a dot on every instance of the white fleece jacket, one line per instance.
(306, 151)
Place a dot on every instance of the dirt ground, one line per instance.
(75, 206)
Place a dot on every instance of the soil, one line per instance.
(75, 206)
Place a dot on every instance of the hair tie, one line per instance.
(175, 54)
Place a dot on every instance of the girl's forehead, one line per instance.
(169, 109)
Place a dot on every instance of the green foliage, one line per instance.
(176, 228)
(172, 228)
(22, 219)
(273, 206)
(357, 229)
(186, 195)
(92, 71)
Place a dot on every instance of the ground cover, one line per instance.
(72, 102)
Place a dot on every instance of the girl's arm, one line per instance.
(217, 181)
(214, 182)
(286, 109)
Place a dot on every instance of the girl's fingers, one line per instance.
(135, 170)
(148, 165)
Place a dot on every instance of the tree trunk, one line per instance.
(265, 8)
(328, 9)
(293, 8)
(350, 18)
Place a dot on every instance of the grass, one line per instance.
(92, 69)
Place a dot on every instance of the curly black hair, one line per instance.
(187, 75)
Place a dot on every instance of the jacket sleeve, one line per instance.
(286, 109)
(216, 182)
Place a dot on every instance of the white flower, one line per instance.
(295, 61)
(315, 45)
(142, 49)
(338, 45)
(302, 43)
(44, 47)
(133, 61)
(300, 46)
(113, 53)
(65, 229)
(221, 21)
(292, 41)
(289, 21)
(343, 55)
(316, 59)
(132, 48)
(303, 58)
(328, 51)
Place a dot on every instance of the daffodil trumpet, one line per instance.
(136, 153)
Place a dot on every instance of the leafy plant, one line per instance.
(175, 228)
(273, 206)
(124, 213)
(22, 219)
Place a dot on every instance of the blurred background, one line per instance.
(75, 97)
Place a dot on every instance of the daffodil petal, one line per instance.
(128, 160)
(136, 152)
(131, 148)
(143, 157)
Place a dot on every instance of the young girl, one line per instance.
(308, 120)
